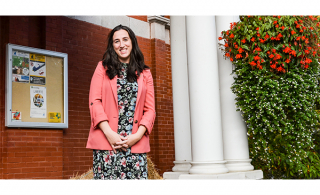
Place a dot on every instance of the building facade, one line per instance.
(197, 133)
(33, 153)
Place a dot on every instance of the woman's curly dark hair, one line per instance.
(113, 64)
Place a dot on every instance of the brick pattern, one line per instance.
(57, 153)
(162, 138)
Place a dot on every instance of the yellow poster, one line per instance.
(37, 57)
(54, 117)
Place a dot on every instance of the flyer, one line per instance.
(16, 116)
(20, 67)
(38, 102)
(54, 117)
(37, 69)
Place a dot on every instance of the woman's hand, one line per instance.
(116, 141)
(134, 138)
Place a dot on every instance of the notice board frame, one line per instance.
(9, 83)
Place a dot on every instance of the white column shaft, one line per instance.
(206, 131)
(235, 140)
(181, 112)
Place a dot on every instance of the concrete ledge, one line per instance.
(256, 174)
(172, 175)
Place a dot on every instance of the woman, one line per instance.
(122, 109)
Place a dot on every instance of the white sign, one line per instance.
(38, 98)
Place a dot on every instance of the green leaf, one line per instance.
(245, 47)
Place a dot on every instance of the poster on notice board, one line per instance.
(20, 67)
(37, 69)
(38, 102)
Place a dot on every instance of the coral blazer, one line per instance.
(103, 104)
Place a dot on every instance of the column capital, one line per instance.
(159, 19)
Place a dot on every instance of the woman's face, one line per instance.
(122, 45)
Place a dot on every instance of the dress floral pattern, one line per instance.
(122, 165)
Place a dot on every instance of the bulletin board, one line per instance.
(36, 88)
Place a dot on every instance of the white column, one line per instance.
(236, 151)
(206, 130)
(181, 113)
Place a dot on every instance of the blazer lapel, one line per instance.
(140, 85)
(113, 84)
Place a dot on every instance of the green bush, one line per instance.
(276, 84)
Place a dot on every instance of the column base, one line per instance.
(172, 175)
(214, 167)
(181, 166)
(256, 174)
(239, 165)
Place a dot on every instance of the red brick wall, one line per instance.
(162, 145)
(61, 153)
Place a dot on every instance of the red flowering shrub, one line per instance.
(276, 84)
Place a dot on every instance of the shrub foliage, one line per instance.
(276, 84)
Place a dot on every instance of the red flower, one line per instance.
(220, 38)
(231, 59)
(262, 41)
(238, 56)
(308, 61)
(260, 18)
(298, 26)
(260, 67)
(306, 66)
(314, 53)
(287, 50)
(279, 17)
(236, 46)
(298, 38)
(227, 32)
(256, 58)
(273, 51)
(262, 60)
(282, 27)
(287, 61)
(307, 41)
(292, 52)
(231, 36)
(227, 54)
(267, 36)
(275, 22)
(258, 49)
(258, 35)
(252, 63)
(226, 45)
(303, 38)
(271, 56)
(280, 69)
(293, 32)
(257, 28)
(253, 39)
(273, 66)
(240, 50)
(277, 26)
(306, 51)
(277, 57)
(243, 41)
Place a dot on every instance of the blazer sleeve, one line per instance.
(95, 96)
(149, 113)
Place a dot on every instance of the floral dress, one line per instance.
(122, 165)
